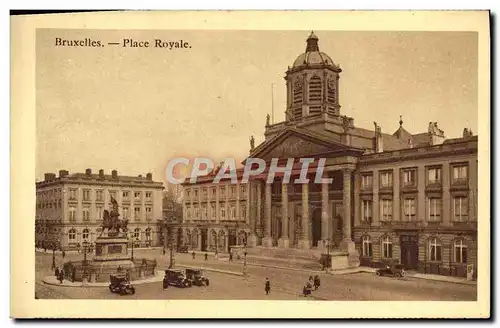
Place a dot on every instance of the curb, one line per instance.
(465, 282)
(234, 273)
(52, 281)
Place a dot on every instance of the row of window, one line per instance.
(409, 176)
(213, 190)
(434, 247)
(136, 234)
(217, 240)
(434, 209)
(49, 194)
(125, 213)
(195, 212)
(99, 195)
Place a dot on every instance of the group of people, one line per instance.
(310, 284)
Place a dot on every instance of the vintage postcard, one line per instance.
(251, 165)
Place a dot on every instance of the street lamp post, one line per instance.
(132, 256)
(53, 257)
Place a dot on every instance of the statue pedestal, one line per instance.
(111, 249)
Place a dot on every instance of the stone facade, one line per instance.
(400, 197)
(70, 207)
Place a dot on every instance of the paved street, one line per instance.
(285, 284)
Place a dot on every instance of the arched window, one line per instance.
(85, 234)
(315, 88)
(223, 213)
(243, 211)
(222, 240)
(434, 249)
(213, 235)
(367, 246)
(137, 233)
(72, 234)
(148, 234)
(460, 251)
(386, 247)
(194, 239)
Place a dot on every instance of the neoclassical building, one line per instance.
(70, 207)
(401, 196)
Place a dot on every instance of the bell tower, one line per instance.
(312, 84)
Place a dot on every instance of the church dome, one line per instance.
(312, 55)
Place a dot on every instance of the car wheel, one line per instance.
(378, 273)
(397, 275)
(207, 282)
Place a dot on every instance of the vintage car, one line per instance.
(182, 249)
(196, 277)
(176, 278)
(396, 270)
(119, 284)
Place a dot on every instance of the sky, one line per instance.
(134, 109)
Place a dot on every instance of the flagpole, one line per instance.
(272, 102)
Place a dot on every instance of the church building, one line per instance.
(402, 197)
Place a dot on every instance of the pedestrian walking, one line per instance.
(268, 287)
(231, 257)
(63, 253)
(206, 257)
(165, 282)
(61, 276)
(194, 254)
(317, 282)
(164, 251)
(57, 272)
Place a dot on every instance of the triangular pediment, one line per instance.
(295, 143)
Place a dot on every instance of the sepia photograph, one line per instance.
(311, 165)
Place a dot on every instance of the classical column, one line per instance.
(217, 203)
(237, 209)
(251, 218)
(304, 241)
(324, 215)
(267, 241)
(284, 242)
(347, 244)
(258, 223)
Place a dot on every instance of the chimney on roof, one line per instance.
(63, 173)
(436, 134)
(378, 142)
(88, 172)
(114, 174)
(149, 176)
(49, 176)
(101, 173)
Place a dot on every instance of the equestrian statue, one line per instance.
(112, 223)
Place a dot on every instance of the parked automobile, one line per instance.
(119, 284)
(177, 278)
(396, 270)
(196, 277)
(182, 249)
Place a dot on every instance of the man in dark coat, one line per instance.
(194, 254)
(63, 253)
(61, 276)
(57, 272)
(268, 287)
(165, 282)
(206, 257)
